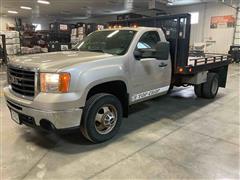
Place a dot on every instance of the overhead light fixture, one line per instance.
(43, 2)
(13, 12)
(25, 7)
(170, 2)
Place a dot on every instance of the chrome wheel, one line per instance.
(106, 119)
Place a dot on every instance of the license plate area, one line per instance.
(15, 116)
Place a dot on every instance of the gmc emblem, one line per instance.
(14, 80)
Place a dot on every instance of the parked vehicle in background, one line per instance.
(235, 53)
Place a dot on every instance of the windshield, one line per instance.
(114, 42)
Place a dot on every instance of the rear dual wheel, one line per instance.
(209, 89)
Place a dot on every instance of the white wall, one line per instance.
(43, 21)
(197, 30)
(222, 36)
(39, 20)
(100, 19)
(4, 21)
(201, 32)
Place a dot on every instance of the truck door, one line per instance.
(149, 76)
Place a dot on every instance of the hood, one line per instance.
(57, 60)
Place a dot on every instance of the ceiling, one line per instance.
(73, 8)
(83, 9)
(187, 2)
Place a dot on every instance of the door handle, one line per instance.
(162, 65)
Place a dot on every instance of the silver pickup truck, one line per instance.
(92, 86)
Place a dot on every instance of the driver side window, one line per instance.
(148, 40)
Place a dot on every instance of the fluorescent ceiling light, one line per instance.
(13, 12)
(43, 2)
(120, 12)
(25, 7)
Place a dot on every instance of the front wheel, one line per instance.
(102, 117)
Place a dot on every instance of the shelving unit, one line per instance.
(33, 41)
(12, 42)
(81, 30)
(3, 51)
(59, 37)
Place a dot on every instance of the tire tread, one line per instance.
(86, 111)
(208, 85)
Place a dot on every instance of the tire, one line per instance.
(198, 90)
(210, 88)
(102, 117)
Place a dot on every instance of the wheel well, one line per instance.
(222, 73)
(116, 88)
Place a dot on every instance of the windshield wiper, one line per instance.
(96, 50)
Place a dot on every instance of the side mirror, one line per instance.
(162, 50)
(137, 54)
(144, 53)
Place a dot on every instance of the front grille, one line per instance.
(22, 81)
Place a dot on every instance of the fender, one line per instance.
(99, 75)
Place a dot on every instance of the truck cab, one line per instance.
(149, 71)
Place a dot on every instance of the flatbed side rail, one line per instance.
(199, 64)
(207, 60)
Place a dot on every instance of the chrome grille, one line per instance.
(22, 81)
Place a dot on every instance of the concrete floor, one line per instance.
(175, 136)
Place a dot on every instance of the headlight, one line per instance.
(55, 83)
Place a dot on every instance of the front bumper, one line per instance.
(60, 119)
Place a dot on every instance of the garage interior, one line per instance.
(175, 136)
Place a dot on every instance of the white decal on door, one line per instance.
(153, 92)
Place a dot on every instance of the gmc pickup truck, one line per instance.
(92, 86)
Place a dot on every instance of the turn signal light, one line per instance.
(64, 82)
(180, 69)
(55, 82)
